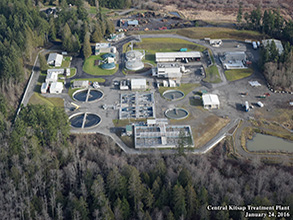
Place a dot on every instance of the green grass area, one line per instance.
(90, 67)
(124, 122)
(72, 72)
(212, 74)
(38, 99)
(236, 74)
(93, 10)
(65, 62)
(185, 88)
(101, 80)
(211, 32)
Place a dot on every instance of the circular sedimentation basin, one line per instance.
(176, 113)
(173, 95)
(88, 95)
(84, 120)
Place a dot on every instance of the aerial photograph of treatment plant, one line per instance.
(131, 109)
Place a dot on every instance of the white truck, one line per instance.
(254, 45)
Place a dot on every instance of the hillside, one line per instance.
(220, 10)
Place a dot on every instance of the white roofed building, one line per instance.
(55, 59)
(234, 60)
(177, 56)
(44, 87)
(168, 70)
(56, 87)
(210, 101)
(138, 84)
(104, 48)
(51, 77)
(58, 71)
(80, 84)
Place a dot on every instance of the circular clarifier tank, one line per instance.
(173, 95)
(88, 95)
(176, 113)
(76, 120)
(80, 121)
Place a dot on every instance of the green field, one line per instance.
(212, 74)
(236, 74)
(185, 88)
(210, 32)
(90, 68)
(72, 72)
(38, 99)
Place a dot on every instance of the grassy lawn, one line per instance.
(124, 122)
(207, 130)
(167, 45)
(236, 74)
(212, 74)
(185, 88)
(93, 10)
(65, 62)
(211, 32)
(38, 99)
(90, 68)
(72, 72)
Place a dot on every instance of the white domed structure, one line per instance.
(133, 60)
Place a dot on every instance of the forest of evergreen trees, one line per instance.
(46, 173)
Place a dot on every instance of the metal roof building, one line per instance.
(80, 84)
(210, 101)
(58, 71)
(56, 87)
(168, 70)
(104, 48)
(176, 56)
(233, 60)
(44, 87)
(277, 42)
(138, 84)
(132, 23)
(55, 59)
(51, 77)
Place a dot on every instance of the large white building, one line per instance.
(55, 59)
(168, 70)
(138, 84)
(56, 87)
(210, 101)
(177, 56)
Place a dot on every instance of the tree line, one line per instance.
(48, 174)
(270, 22)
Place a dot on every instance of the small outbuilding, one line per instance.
(138, 84)
(56, 87)
(210, 101)
(44, 87)
(80, 84)
(55, 59)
